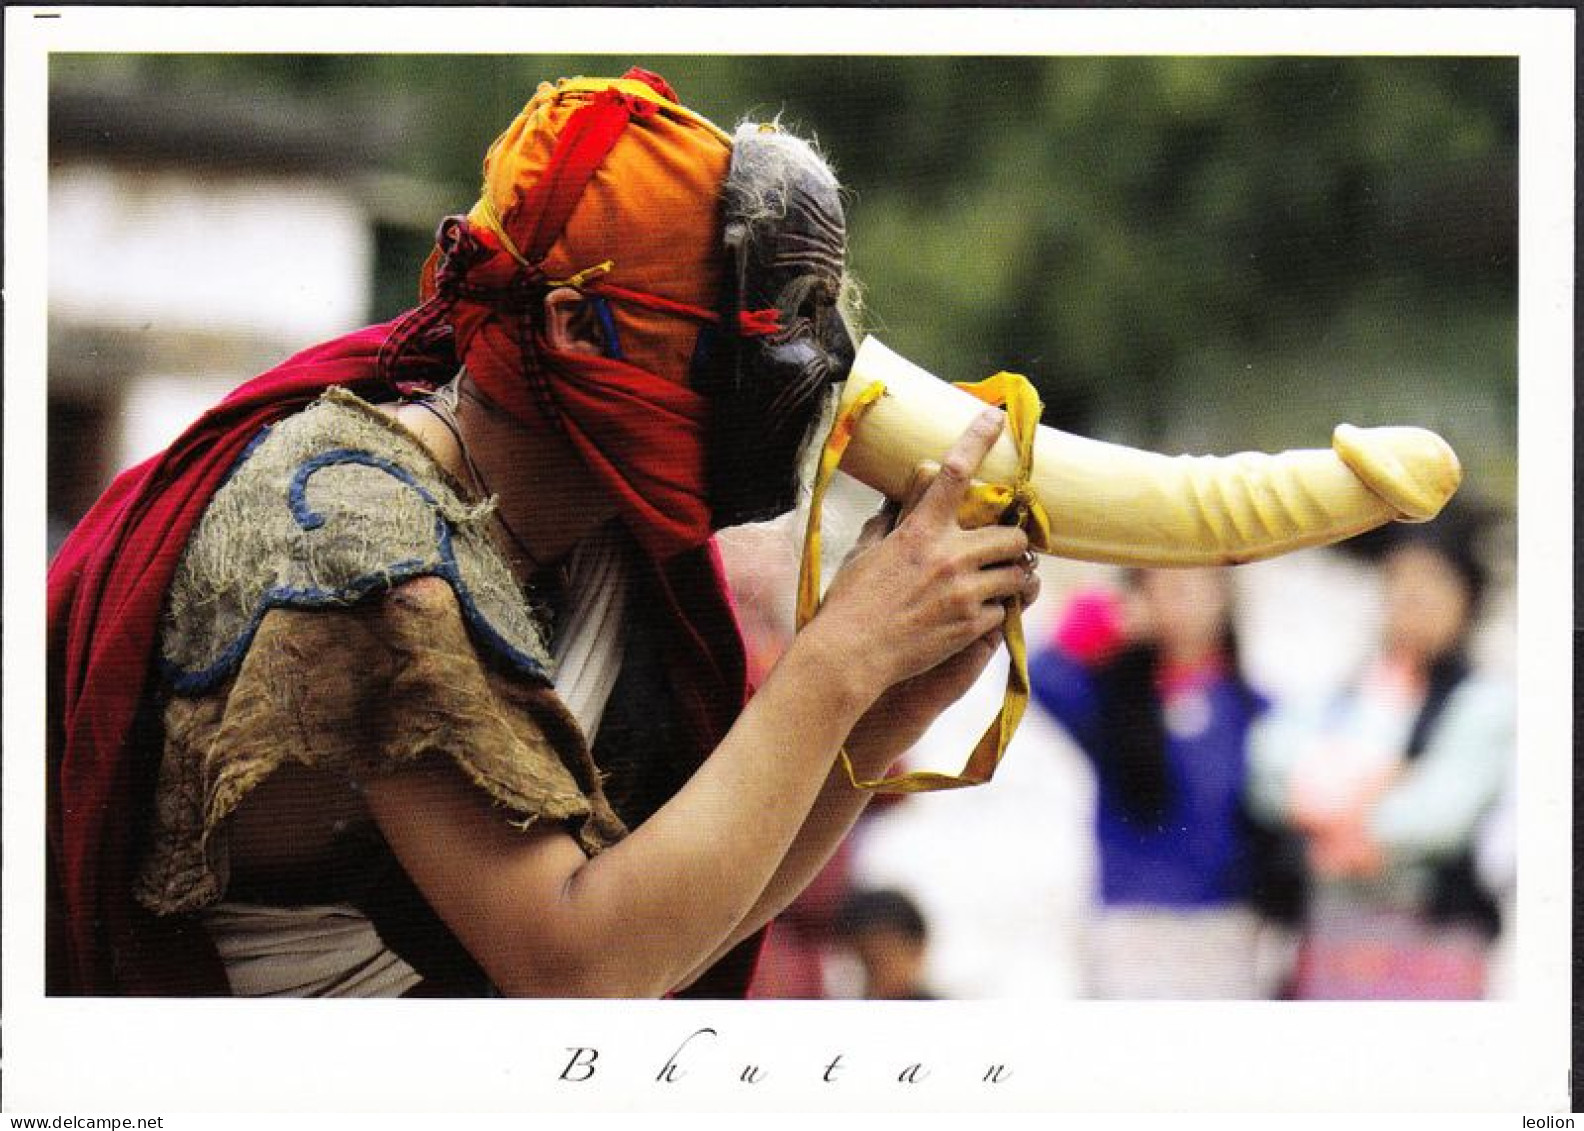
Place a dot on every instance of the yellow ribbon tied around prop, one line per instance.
(985, 503)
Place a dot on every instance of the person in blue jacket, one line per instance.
(1147, 684)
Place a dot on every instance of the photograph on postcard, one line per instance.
(1265, 780)
(972, 536)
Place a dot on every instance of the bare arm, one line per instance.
(887, 731)
(543, 919)
(635, 920)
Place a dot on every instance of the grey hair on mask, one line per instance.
(768, 161)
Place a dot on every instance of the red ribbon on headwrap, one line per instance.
(589, 136)
(750, 323)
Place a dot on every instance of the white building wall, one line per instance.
(272, 259)
(279, 256)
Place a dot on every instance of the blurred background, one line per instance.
(1191, 254)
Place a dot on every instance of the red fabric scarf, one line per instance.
(641, 437)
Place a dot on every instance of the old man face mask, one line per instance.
(785, 238)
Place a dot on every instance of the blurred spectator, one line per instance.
(1389, 781)
(887, 932)
(1149, 686)
(794, 961)
(1496, 865)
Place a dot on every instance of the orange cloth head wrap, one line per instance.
(647, 219)
(608, 186)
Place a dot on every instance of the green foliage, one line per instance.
(1216, 251)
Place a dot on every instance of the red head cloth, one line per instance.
(639, 429)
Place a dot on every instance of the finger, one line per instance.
(923, 475)
(878, 526)
(995, 545)
(992, 616)
(1031, 588)
(999, 583)
(871, 534)
(977, 654)
(945, 494)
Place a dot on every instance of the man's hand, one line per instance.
(927, 590)
(905, 711)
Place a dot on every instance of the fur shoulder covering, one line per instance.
(334, 506)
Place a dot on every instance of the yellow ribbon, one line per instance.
(579, 279)
(985, 503)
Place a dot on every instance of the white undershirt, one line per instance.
(588, 649)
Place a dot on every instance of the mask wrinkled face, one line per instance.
(786, 240)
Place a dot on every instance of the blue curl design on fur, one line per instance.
(382, 580)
